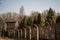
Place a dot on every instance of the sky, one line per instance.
(29, 5)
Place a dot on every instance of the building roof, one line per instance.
(10, 21)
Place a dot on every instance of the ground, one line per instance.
(5, 38)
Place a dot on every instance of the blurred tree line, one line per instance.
(48, 17)
(45, 18)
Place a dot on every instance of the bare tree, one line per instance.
(9, 15)
(14, 16)
(34, 13)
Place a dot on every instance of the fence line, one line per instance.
(34, 33)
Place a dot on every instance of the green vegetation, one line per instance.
(58, 19)
(38, 19)
(50, 19)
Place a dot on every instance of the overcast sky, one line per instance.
(29, 5)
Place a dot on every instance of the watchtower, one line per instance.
(10, 28)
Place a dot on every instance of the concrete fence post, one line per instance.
(25, 32)
(21, 34)
(37, 32)
(18, 35)
(30, 32)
